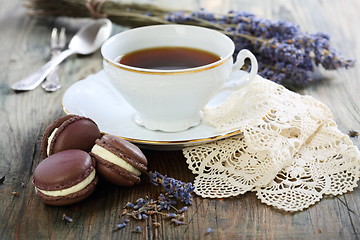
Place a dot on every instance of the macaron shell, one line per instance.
(79, 134)
(116, 175)
(56, 124)
(74, 132)
(127, 152)
(63, 170)
(71, 198)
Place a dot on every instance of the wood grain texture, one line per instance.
(24, 46)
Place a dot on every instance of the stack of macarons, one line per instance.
(74, 154)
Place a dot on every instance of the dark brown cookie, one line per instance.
(65, 177)
(118, 160)
(69, 132)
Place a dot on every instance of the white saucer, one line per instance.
(96, 98)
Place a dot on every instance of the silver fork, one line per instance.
(58, 41)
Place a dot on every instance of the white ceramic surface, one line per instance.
(95, 97)
(171, 100)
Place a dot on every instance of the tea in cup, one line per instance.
(168, 73)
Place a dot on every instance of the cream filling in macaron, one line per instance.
(76, 188)
(109, 156)
(50, 138)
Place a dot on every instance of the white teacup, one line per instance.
(171, 100)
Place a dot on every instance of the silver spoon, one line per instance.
(86, 41)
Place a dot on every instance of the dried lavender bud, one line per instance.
(126, 220)
(141, 201)
(171, 215)
(184, 209)
(173, 187)
(177, 222)
(120, 226)
(209, 230)
(67, 218)
(137, 229)
(164, 202)
(129, 205)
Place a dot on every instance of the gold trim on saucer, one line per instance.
(199, 140)
(183, 143)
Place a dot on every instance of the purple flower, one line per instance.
(286, 55)
(138, 229)
(173, 187)
(145, 208)
(120, 225)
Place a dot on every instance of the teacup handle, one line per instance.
(240, 60)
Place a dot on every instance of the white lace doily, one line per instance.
(290, 151)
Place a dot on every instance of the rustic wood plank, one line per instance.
(24, 116)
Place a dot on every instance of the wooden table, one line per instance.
(24, 47)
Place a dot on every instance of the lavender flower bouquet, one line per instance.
(286, 55)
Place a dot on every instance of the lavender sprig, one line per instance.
(173, 187)
(165, 205)
(286, 55)
(144, 208)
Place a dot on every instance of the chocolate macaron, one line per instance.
(69, 132)
(65, 177)
(118, 160)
